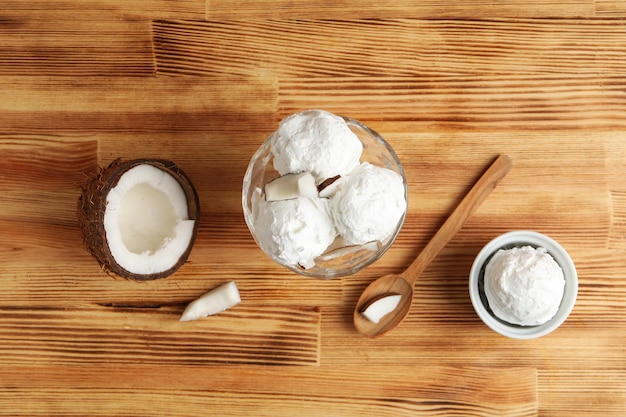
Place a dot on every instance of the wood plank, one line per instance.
(84, 38)
(339, 391)
(106, 9)
(388, 48)
(44, 163)
(134, 104)
(618, 220)
(117, 335)
(617, 191)
(443, 104)
(459, 338)
(436, 9)
(598, 393)
(60, 274)
(610, 8)
(61, 44)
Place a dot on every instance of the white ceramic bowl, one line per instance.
(375, 151)
(517, 239)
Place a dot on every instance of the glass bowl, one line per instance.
(260, 171)
(517, 239)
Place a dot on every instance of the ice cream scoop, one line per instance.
(519, 239)
(524, 285)
(315, 141)
(294, 231)
(369, 204)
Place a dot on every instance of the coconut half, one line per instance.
(139, 218)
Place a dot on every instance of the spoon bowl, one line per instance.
(403, 284)
(386, 285)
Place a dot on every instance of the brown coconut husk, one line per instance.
(92, 206)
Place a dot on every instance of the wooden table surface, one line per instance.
(449, 84)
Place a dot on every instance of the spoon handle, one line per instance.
(479, 192)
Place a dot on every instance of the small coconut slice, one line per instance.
(291, 186)
(378, 309)
(215, 301)
(139, 218)
(329, 187)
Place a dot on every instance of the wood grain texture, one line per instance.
(420, 47)
(431, 9)
(518, 102)
(263, 391)
(594, 395)
(144, 104)
(152, 335)
(84, 38)
(610, 8)
(449, 85)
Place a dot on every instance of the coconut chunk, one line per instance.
(291, 186)
(329, 187)
(381, 307)
(213, 302)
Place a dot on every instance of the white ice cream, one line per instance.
(316, 141)
(295, 231)
(364, 205)
(524, 285)
(369, 204)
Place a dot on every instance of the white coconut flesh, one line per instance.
(147, 221)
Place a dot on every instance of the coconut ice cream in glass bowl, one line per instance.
(523, 284)
(324, 195)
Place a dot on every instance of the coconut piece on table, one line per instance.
(139, 218)
(213, 302)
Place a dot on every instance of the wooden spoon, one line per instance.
(403, 283)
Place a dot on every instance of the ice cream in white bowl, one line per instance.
(523, 284)
(324, 195)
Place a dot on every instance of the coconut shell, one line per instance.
(92, 206)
